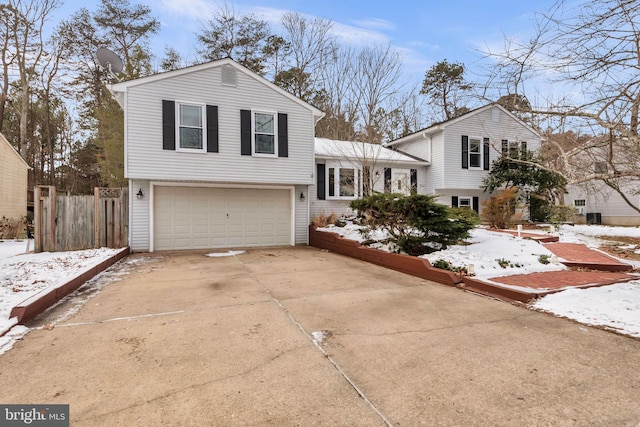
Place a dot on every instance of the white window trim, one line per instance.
(253, 133)
(203, 111)
(479, 152)
(468, 199)
(357, 185)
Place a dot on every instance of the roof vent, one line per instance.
(229, 75)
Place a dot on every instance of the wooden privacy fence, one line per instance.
(73, 222)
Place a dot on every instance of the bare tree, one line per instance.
(25, 21)
(377, 72)
(312, 45)
(593, 51)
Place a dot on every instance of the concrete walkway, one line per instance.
(184, 339)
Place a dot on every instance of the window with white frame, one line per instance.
(191, 135)
(264, 134)
(475, 150)
(580, 205)
(464, 202)
(343, 182)
(513, 149)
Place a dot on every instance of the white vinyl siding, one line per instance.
(144, 151)
(480, 125)
(13, 182)
(603, 200)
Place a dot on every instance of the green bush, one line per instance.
(562, 213)
(416, 223)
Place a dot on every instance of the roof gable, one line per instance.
(122, 87)
(441, 126)
(17, 155)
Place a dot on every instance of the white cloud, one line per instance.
(375, 24)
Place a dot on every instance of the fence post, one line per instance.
(37, 220)
(51, 238)
(96, 217)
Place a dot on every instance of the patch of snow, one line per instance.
(223, 254)
(24, 275)
(9, 248)
(615, 307)
(317, 336)
(486, 248)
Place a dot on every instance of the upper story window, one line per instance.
(475, 152)
(513, 149)
(191, 135)
(264, 133)
(475, 147)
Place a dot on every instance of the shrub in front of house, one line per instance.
(416, 223)
(500, 208)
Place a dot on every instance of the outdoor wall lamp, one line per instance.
(301, 196)
(139, 194)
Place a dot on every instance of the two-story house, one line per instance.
(216, 156)
(460, 151)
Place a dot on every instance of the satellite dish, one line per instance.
(109, 60)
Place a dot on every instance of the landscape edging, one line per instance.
(411, 265)
(36, 304)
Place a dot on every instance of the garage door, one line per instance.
(202, 218)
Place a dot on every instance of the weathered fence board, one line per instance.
(72, 222)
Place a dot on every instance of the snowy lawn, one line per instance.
(23, 275)
(616, 307)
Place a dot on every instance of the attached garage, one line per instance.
(186, 217)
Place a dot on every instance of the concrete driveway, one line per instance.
(185, 339)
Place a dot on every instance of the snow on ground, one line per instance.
(23, 275)
(616, 307)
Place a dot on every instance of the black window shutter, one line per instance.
(245, 132)
(485, 149)
(212, 129)
(476, 203)
(168, 125)
(505, 147)
(414, 181)
(387, 180)
(320, 181)
(523, 147)
(283, 135)
(465, 152)
(454, 201)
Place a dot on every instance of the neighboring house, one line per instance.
(216, 156)
(13, 181)
(461, 150)
(342, 168)
(597, 203)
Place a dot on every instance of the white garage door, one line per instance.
(202, 218)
